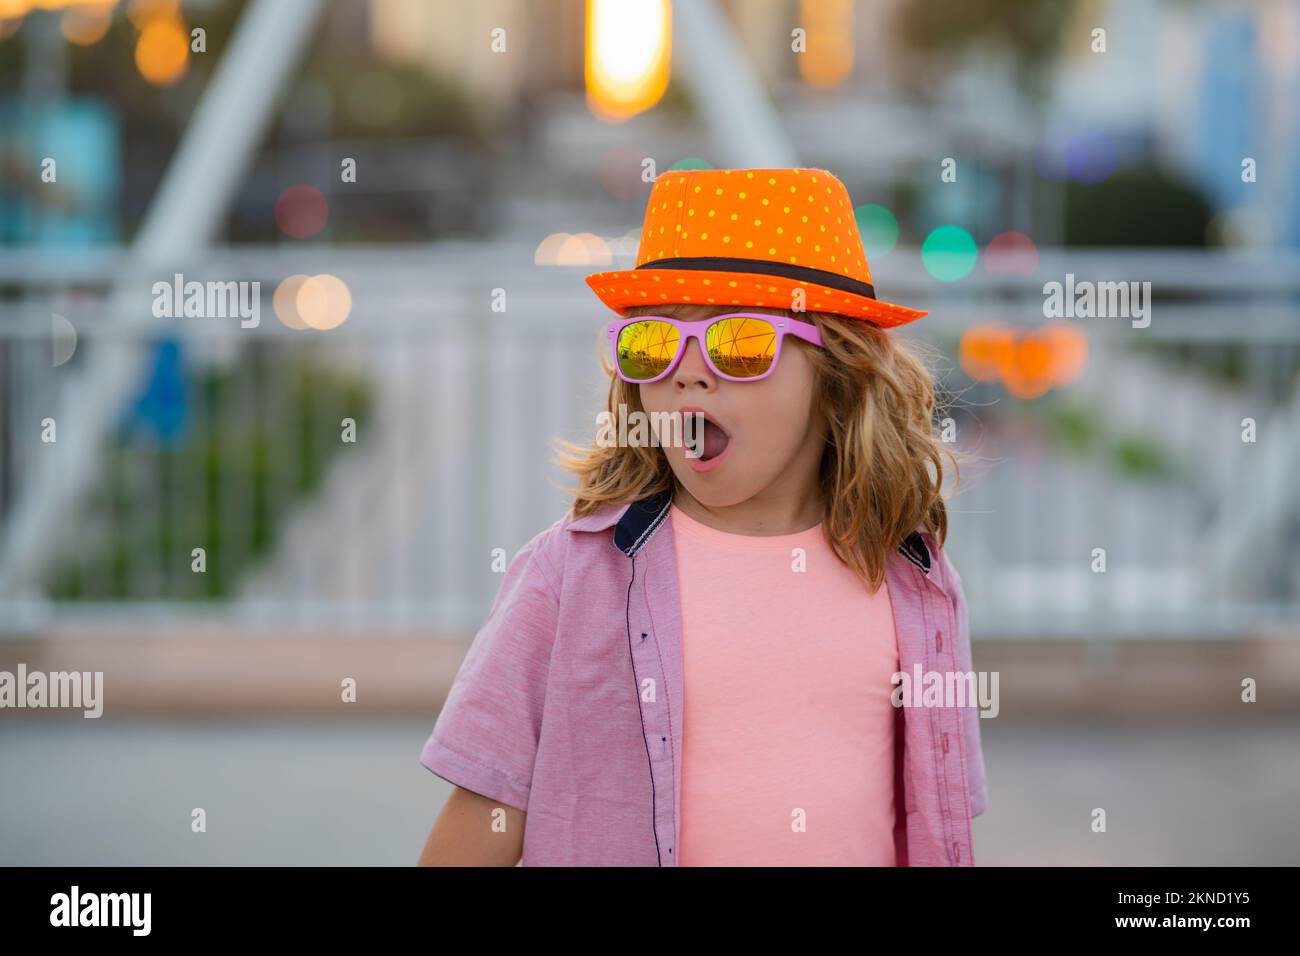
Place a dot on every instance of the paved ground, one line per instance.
(309, 792)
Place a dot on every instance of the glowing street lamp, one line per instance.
(629, 43)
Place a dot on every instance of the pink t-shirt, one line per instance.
(788, 730)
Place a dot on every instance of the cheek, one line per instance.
(780, 426)
(656, 397)
(788, 396)
(779, 414)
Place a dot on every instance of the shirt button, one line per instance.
(945, 743)
(938, 641)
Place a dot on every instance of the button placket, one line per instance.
(940, 720)
(655, 719)
(954, 719)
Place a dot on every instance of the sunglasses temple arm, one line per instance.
(806, 331)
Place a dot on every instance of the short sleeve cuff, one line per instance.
(461, 771)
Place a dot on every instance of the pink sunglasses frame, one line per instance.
(784, 326)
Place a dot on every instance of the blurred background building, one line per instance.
(181, 505)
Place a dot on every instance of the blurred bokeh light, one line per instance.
(628, 55)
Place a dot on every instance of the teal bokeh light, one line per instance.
(879, 230)
(691, 162)
(949, 253)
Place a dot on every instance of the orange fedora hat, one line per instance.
(750, 237)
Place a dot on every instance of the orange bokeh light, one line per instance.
(162, 54)
(1070, 349)
(285, 301)
(1026, 369)
(323, 302)
(1028, 364)
(142, 12)
(85, 26)
(982, 350)
(828, 61)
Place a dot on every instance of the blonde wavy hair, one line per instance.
(882, 471)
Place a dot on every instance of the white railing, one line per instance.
(452, 459)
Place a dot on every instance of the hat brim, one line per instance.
(624, 289)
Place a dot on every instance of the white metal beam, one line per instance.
(729, 94)
(198, 186)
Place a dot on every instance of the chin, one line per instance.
(713, 489)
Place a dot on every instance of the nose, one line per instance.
(692, 369)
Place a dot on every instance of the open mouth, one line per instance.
(710, 440)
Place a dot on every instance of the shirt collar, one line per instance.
(633, 524)
(600, 519)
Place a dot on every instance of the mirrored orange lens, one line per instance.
(646, 349)
(741, 348)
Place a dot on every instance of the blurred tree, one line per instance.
(158, 501)
(1028, 30)
(1136, 207)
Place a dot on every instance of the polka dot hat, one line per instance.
(750, 237)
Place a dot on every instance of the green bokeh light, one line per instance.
(691, 162)
(879, 230)
(949, 253)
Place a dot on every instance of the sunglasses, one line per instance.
(737, 347)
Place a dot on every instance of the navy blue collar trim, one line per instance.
(642, 518)
(914, 549)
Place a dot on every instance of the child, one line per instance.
(695, 665)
